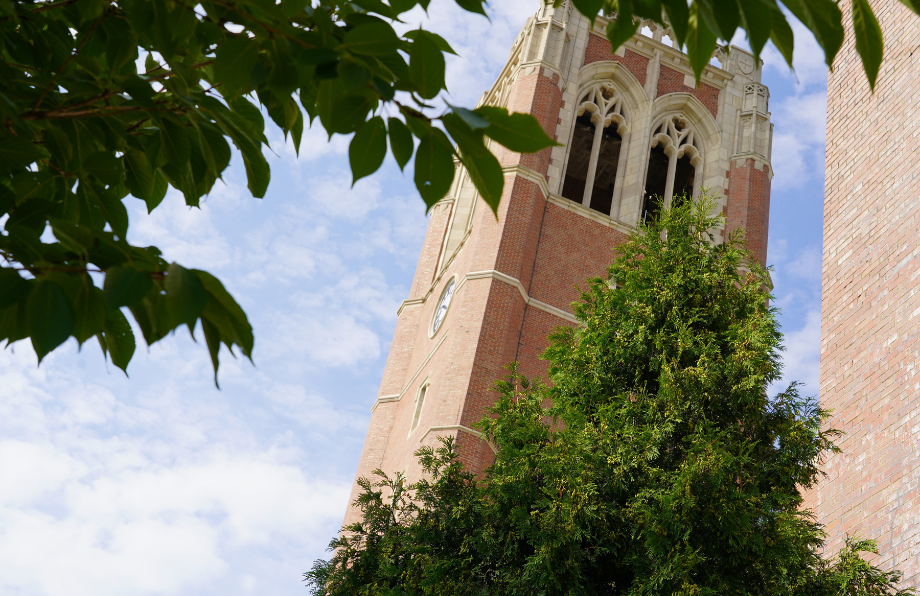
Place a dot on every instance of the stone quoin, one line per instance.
(487, 290)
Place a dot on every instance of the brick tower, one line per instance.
(870, 312)
(488, 292)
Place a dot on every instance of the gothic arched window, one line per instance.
(674, 166)
(596, 162)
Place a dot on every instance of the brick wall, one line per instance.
(748, 205)
(598, 49)
(870, 326)
(672, 81)
(540, 96)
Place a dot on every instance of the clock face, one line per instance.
(442, 307)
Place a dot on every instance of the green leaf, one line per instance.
(119, 339)
(104, 166)
(518, 132)
(258, 172)
(13, 287)
(782, 37)
(472, 119)
(590, 8)
(442, 43)
(297, 132)
(367, 149)
(868, 39)
(138, 177)
(620, 29)
(89, 307)
(212, 338)
(14, 323)
(678, 14)
(726, 16)
(374, 39)
(219, 299)
(175, 143)
(824, 20)
(50, 317)
(58, 144)
(350, 112)
(401, 143)
(701, 41)
(434, 167)
(108, 205)
(251, 117)
(475, 6)
(426, 66)
(758, 20)
(160, 186)
(125, 285)
(483, 167)
(185, 296)
(17, 152)
(73, 237)
(234, 63)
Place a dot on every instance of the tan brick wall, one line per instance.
(870, 346)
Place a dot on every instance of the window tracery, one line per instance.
(596, 157)
(674, 167)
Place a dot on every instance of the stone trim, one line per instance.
(529, 175)
(411, 302)
(515, 283)
(461, 428)
(391, 398)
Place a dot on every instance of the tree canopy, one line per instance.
(652, 462)
(105, 99)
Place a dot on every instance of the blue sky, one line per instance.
(160, 484)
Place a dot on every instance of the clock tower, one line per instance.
(487, 291)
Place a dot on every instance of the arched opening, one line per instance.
(655, 182)
(683, 178)
(607, 161)
(576, 173)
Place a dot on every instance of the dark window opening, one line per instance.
(607, 161)
(573, 186)
(655, 182)
(683, 179)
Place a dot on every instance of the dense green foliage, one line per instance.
(102, 99)
(86, 123)
(654, 461)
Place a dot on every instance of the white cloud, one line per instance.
(801, 358)
(799, 140)
(806, 266)
(335, 196)
(326, 338)
(808, 63)
(161, 490)
(186, 234)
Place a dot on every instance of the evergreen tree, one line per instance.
(653, 462)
